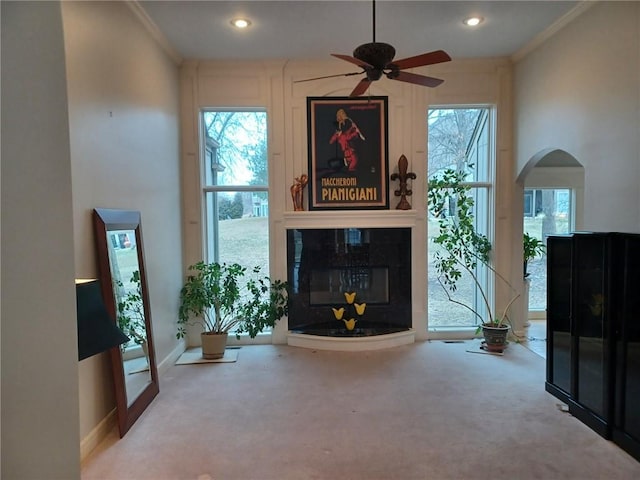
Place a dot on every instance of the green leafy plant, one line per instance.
(532, 247)
(131, 309)
(463, 247)
(221, 297)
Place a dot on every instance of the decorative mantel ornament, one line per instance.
(296, 192)
(403, 192)
(359, 308)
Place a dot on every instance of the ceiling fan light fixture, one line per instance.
(241, 23)
(473, 21)
(376, 59)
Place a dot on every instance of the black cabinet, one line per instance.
(559, 275)
(593, 331)
(579, 326)
(626, 426)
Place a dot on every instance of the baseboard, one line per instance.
(537, 315)
(452, 333)
(171, 359)
(98, 434)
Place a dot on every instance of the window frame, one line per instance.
(211, 250)
(488, 184)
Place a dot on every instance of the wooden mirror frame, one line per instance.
(105, 220)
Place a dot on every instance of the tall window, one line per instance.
(460, 138)
(236, 187)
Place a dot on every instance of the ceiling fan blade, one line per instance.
(362, 87)
(328, 76)
(354, 60)
(430, 58)
(416, 79)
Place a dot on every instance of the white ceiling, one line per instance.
(306, 29)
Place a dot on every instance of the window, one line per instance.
(460, 138)
(236, 187)
(529, 203)
(551, 214)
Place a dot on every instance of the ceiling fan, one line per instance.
(376, 59)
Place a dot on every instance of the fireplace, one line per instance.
(372, 263)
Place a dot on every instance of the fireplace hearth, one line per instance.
(329, 330)
(373, 263)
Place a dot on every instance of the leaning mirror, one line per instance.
(121, 266)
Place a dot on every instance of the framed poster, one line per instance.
(348, 167)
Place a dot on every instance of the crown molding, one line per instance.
(154, 31)
(552, 29)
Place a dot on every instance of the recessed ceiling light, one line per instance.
(240, 22)
(473, 21)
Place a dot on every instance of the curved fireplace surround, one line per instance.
(323, 264)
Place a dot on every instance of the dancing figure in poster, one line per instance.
(346, 132)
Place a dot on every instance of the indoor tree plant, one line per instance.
(223, 297)
(463, 249)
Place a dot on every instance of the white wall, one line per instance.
(39, 344)
(123, 116)
(580, 92)
(271, 85)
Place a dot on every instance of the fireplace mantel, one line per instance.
(351, 219)
(388, 318)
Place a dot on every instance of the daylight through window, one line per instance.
(459, 139)
(236, 187)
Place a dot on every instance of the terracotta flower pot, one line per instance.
(495, 338)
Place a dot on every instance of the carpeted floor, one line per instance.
(430, 410)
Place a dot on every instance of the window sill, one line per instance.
(451, 333)
(263, 338)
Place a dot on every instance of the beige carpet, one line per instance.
(425, 411)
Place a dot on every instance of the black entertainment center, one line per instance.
(593, 331)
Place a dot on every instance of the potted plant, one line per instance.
(462, 250)
(223, 297)
(532, 247)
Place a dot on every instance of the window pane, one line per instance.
(450, 141)
(443, 312)
(238, 227)
(235, 148)
(552, 216)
